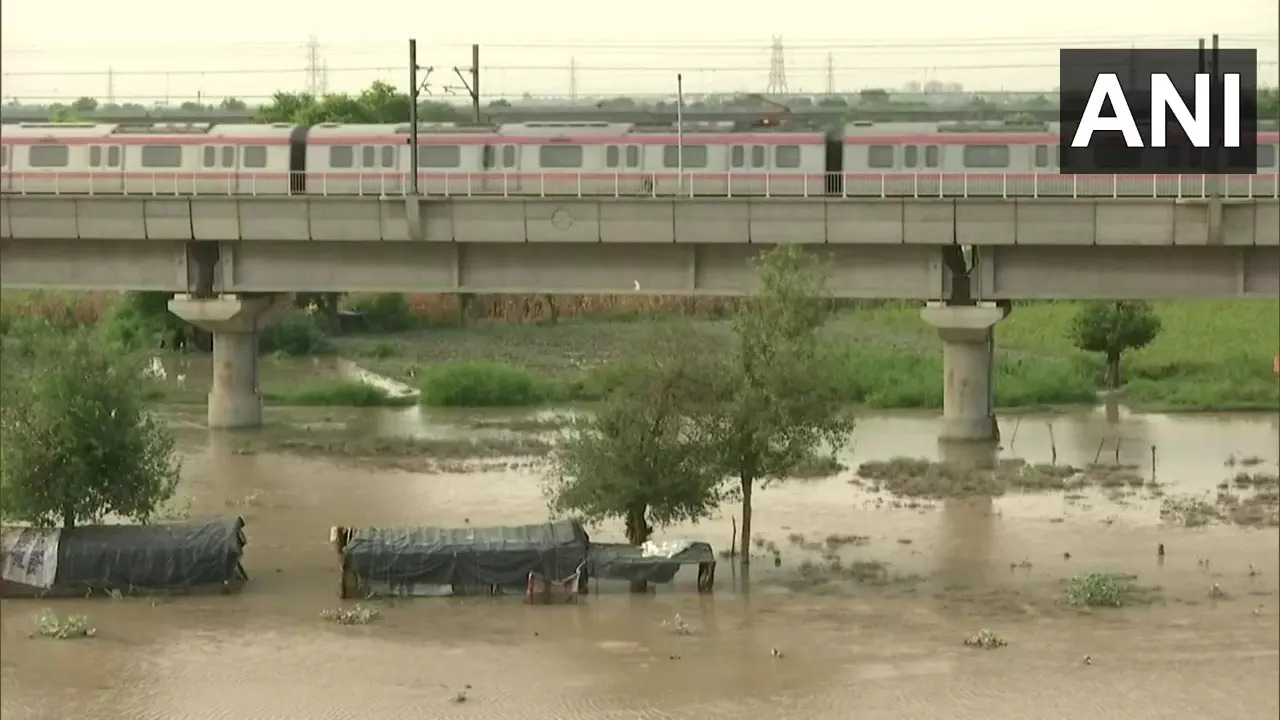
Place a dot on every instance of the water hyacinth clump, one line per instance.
(1098, 589)
(358, 615)
(73, 626)
(985, 639)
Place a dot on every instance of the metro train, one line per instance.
(573, 158)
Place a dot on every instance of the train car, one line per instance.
(60, 157)
(999, 159)
(348, 159)
(147, 159)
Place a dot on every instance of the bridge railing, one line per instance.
(640, 184)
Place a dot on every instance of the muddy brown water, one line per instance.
(889, 648)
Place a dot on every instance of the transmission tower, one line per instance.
(315, 68)
(831, 75)
(111, 86)
(573, 81)
(777, 69)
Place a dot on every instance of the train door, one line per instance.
(389, 167)
(105, 175)
(634, 179)
(6, 173)
(490, 171)
(369, 178)
(835, 166)
(507, 177)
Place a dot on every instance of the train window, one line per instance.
(343, 156)
(1042, 156)
(738, 156)
(910, 156)
(560, 156)
(228, 156)
(95, 156)
(508, 156)
(757, 156)
(113, 156)
(880, 156)
(611, 156)
(986, 156)
(787, 156)
(1266, 155)
(210, 156)
(691, 156)
(931, 156)
(162, 156)
(255, 156)
(47, 156)
(487, 158)
(368, 156)
(388, 156)
(440, 156)
(633, 156)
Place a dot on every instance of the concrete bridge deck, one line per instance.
(1025, 248)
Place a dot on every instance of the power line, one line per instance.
(728, 44)
(560, 68)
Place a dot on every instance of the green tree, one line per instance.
(76, 441)
(1111, 328)
(641, 457)
(232, 104)
(85, 105)
(777, 408)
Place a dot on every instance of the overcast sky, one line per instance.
(251, 48)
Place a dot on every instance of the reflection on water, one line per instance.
(953, 567)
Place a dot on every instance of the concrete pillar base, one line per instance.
(235, 400)
(968, 399)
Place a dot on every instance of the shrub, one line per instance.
(294, 334)
(341, 393)
(387, 313)
(483, 385)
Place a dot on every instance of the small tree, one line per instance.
(76, 441)
(1111, 328)
(777, 406)
(640, 456)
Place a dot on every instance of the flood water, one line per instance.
(890, 649)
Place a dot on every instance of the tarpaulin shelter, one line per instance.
(129, 559)
(457, 561)
(652, 562)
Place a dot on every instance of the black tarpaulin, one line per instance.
(466, 556)
(169, 556)
(610, 561)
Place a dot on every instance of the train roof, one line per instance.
(107, 131)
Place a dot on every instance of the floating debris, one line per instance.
(986, 640)
(73, 626)
(358, 615)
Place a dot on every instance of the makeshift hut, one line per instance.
(431, 561)
(197, 556)
(652, 562)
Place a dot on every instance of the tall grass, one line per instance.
(485, 385)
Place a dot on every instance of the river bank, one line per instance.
(875, 592)
(1210, 355)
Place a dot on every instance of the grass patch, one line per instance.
(337, 393)
(358, 615)
(1098, 589)
(487, 385)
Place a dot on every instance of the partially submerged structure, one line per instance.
(430, 561)
(196, 556)
(652, 562)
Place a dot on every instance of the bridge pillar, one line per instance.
(968, 394)
(235, 400)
